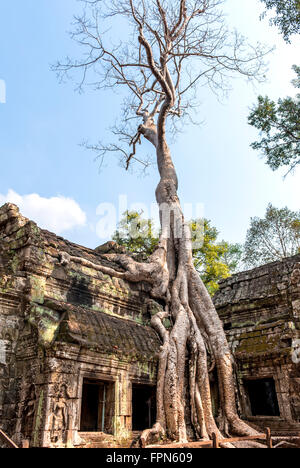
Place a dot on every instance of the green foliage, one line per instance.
(279, 126)
(233, 256)
(137, 235)
(213, 260)
(208, 258)
(272, 238)
(287, 17)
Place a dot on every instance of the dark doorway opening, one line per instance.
(98, 407)
(143, 407)
(215, 393)
(263, 397)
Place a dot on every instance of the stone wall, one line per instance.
(61, 323)
(260, 312)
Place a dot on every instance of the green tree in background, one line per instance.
(287, 17)
(213, 260)
(279, 125)
(137, 235)
(272, 238)
(233, 257)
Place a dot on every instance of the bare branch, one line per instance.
(171, 48)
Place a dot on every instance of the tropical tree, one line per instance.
(137, 235)
(233, 257)
(279, 125)
(287, 17)
(213, 260)
(273, 238)
(166, 49)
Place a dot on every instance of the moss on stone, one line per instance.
(38, 285)
(47, 322)
(6, 284)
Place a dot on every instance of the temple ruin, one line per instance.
(78, 357)
(260, 310)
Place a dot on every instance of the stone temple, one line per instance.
(78, 357)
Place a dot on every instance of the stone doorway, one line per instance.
(262, 397)
(143, 407)
(97, 407)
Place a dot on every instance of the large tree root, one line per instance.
(196, 328)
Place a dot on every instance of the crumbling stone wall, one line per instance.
(61, 322)
(260, 311)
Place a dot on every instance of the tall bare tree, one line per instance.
(172, 46)
(272, 238)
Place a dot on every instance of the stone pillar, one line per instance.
(123, 405)
(282, 382)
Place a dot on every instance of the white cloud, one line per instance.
(57, 214)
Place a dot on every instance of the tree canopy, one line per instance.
(272, 238)
(213, 260)
(279, 125)
(287, 17)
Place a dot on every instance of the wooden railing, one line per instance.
(267, 437)
(7, 441)
(217, 442)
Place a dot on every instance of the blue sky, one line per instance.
(57, 182)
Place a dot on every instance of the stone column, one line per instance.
(123, 405)
(282, 382)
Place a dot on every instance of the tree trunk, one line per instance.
(196, 325)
